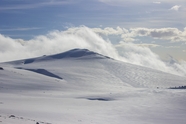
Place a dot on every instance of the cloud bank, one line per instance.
(83, 37)
(170, 34)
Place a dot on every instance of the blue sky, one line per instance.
(159, 25)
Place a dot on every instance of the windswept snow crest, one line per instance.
(74, 53)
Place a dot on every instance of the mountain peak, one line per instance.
(73, 53)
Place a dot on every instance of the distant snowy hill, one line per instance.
(83, 66)
(71, 87)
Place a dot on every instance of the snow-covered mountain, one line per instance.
(81, 86)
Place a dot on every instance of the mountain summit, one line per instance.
(74, 53)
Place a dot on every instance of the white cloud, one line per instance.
(83, 37)
(172, 34)
(173, 47)
(148, 45)
(130, 35)
(141, 45)
(54, 42)
(157, 2)
(110, 31)
(143, 56)
(176, 7)
(124, 33)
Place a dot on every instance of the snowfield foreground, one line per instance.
(83, 87)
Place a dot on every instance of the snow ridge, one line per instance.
(71, 54)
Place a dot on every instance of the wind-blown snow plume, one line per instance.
(143, 56)
(55, 42)
(83, 37)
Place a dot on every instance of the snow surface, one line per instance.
(83, 87)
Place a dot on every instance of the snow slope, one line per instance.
(81, 86)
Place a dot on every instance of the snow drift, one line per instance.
(93, 88)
